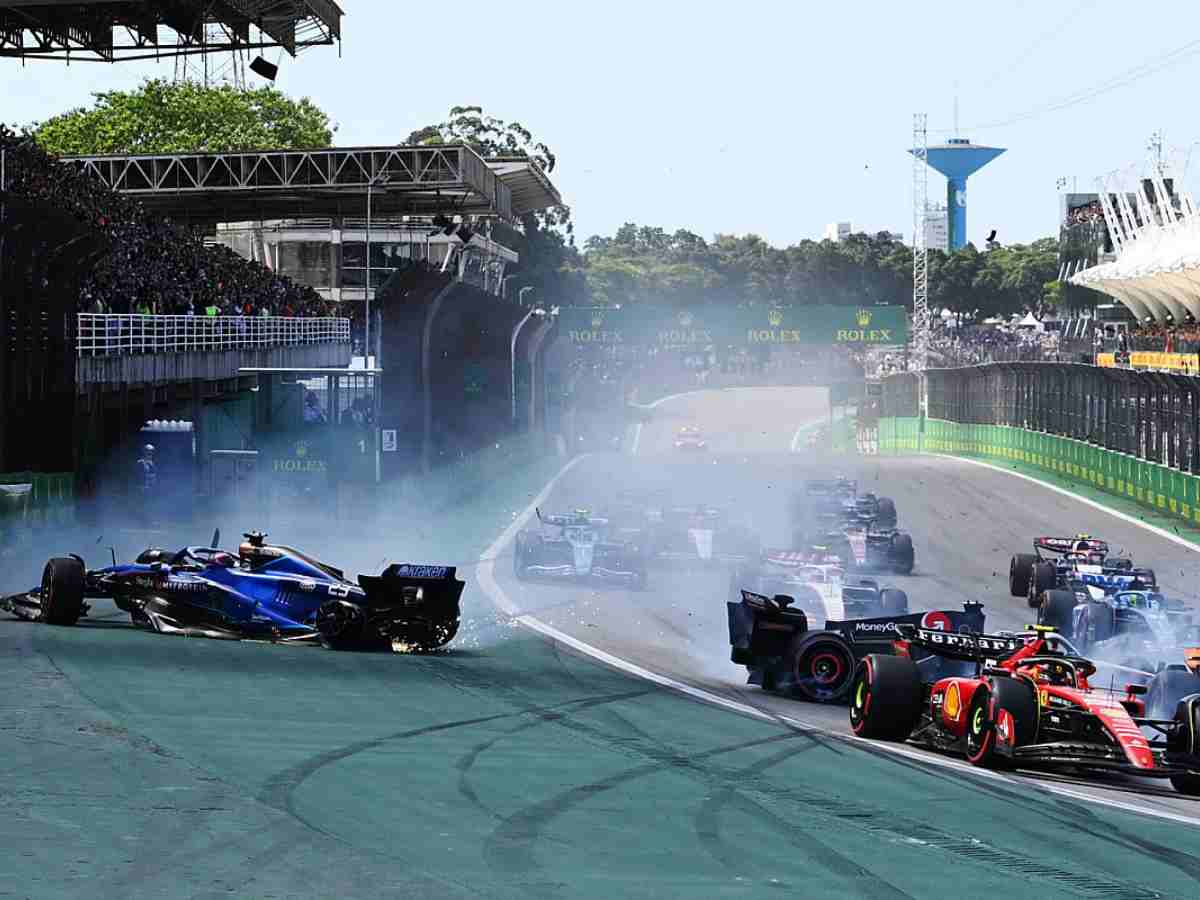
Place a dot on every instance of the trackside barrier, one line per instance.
(1156, 487)
(32, 499)
(105, 334)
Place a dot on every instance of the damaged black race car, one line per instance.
(770, 636)
(265, 591)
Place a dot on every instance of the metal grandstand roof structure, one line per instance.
(279, 184)
(111, 30)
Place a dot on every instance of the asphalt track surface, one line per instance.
(142, 766)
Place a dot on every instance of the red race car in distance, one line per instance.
(690, 437)
(1025, 701)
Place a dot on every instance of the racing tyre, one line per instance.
(1148, 578)
(1187, 714)
(885, 698)
(1006, 709)
(1118, 562)
(893, 602)
(1056, 610)
(1020, 573)
(1166, 689)
(340, 624)
(902, 554)
(885, 512)
(62, 591)
(520, 559)
(822, 665)
(1100, 623)
(1042, 579)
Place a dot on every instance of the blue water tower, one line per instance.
(957, 159)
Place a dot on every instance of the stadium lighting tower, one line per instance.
(920, 253)
(379, 180)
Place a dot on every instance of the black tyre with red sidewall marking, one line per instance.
(822, 665)
(885, 698)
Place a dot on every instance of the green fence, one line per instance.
(1157, 487)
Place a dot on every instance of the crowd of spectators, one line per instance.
(1182, 338)
(970, 345)
(1082, 215)
(154, 266)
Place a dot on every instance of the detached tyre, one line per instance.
(885, 698)
(1020, 573)
(62, 591)
(885, 512)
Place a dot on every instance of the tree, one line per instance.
(546, 238)
(182, 117)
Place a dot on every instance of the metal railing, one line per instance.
(114, 334)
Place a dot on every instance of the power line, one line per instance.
(1150, 67)
(1053, 32)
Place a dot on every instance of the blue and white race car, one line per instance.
(265, 591)
(1079, 564)
(1134, 628)
(575, 546)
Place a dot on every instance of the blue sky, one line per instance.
(766, 117)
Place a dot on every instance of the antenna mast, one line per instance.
(920, 253)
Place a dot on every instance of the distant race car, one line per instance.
(266, 591)
(690, 437)
(700, 533)
(838, 499)
(818, 585)
(876, 549)
(1027, 703)
(770, 636)
(1079, 563)
(574, 546)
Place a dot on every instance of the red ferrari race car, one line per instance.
(1027, 704)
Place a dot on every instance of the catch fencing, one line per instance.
(110, 334)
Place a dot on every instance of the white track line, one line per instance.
(485, 575)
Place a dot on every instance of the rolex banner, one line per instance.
(719, 326)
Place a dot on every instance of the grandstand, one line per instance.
(1155, 267)
(108, 31)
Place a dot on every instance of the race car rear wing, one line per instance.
(1070, 545)
(414, 585)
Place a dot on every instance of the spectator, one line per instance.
(153, 265)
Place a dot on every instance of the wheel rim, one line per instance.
(859, 701)
(826, 669)
(823, 673)
(975, 732)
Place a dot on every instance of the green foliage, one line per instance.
(643, 264)
(162, 117)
